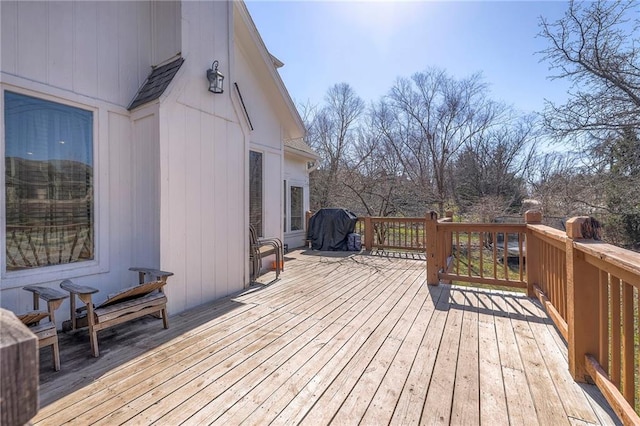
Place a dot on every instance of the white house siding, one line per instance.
(144, 151)
(295, 174)
(202, 166)
(92, 55)
(265, 138)
(103, 50)
(171, 176)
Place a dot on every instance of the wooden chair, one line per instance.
(146, 298)
(263, 247)
(46, 332)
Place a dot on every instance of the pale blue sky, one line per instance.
(369, 44)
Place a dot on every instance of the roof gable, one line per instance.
(266, 66)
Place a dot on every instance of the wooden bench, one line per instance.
(134, 302)
(45, 332)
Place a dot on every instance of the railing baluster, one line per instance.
(553, 256)
(628, 367)
(505, 256)
(495, 255)
(615, 331)
(603, 322)
(520, 256)
(481, 243)
(562, 289)
(469, 254)
(457, 252)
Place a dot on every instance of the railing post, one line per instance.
(445, 241)
(19, 370)
(433, 257)
(532, 252)
(307, 217)
(582, 301)
(368, 233)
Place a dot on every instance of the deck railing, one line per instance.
(547, 271)
(393, 233)
(484, 254)
(603, 301)
(591, 290)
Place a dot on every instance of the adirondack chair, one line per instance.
(263, 247)
(146, 298)
(46, 331)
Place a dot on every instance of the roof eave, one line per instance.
(268, 61)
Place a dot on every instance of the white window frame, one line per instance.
(287, 200)
(262, 215)
(100, 262)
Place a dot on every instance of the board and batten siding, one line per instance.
(126, 194)
(202, 169)
(103, 50)
(295, 174)
(172, 175)
(202, 205)
(265, 138)
(94, 55)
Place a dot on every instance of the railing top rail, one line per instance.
(392, 219)
(484, 227)
(624, 264)
(552, 236)
(549, 232)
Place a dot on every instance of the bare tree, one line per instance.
(427, 120)
(331, 131)
(496, 166)
(597, 47)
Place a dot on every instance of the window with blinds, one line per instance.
(297, 213)
(255, 191)
(49, 189)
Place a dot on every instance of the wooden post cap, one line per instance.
(533, 216)
(19, 371)
(583, 227)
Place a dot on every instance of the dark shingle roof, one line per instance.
(156, 83)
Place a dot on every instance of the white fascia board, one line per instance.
(300, 153)
(241, 10)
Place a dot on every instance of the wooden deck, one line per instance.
(342, 339)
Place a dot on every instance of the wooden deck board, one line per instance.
(341, 339)
(493, 401)
(438, 404)
(269, 406)
(466, 395)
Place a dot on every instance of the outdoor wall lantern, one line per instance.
(215, 78)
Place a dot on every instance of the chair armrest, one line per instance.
(270, 240)
(77, 289)
(45, 293)
(155, 274)
(52, 296)
(84, 294)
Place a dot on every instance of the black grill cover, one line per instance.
(329, 229)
